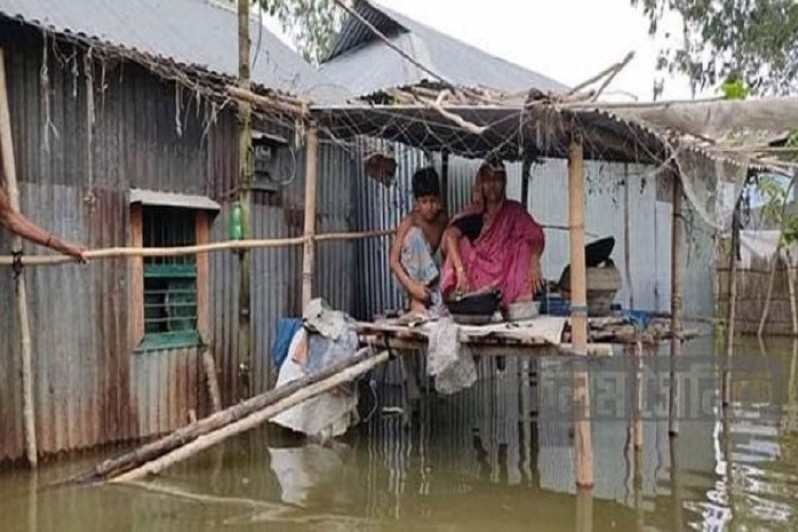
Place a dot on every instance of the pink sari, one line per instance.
(501, 256)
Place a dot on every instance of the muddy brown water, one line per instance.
(495, 457)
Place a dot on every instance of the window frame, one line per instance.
(147, 342)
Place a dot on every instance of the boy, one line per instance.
(416, 240)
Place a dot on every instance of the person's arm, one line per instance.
(416, 289)
(19, 225)
(451, 247)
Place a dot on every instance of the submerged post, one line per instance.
(677, 252)
(9, 167)
(311, 174)
(583, 446)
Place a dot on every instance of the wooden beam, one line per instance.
(677, 254)
(9, 164)
(311, 175)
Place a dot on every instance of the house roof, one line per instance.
(366, 65)
(196, 33)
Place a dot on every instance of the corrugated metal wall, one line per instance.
(90, 388)
(613, 191)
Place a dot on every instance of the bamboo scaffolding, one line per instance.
(179, 251)
(7, 147)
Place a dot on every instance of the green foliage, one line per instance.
(734, 89)
(777, 197)
(311, 24)
(755, 41)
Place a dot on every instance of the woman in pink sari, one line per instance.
(494, 243)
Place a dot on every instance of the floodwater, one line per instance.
(496, 457)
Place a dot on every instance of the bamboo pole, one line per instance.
(526, 168)
(152, 450)
(583, 447)
(576, 215)
(244, 198)
(311, 174)
(731, 311)
(9, 166)
(445, 179)
(677, 251)
(258, 418)
(179, 251)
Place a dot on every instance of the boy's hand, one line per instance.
(421, 292)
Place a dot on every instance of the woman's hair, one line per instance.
(425, 183)
(489, 167)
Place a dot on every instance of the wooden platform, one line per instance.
(541, 337)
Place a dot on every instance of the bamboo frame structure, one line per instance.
(6, 144)
(309, 252)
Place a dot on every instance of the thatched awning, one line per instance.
(509, 131)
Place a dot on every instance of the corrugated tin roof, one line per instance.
(367, 65)
(190, 32)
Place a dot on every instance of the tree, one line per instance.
(311, 24)
(753, 42)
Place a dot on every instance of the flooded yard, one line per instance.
(497, 456)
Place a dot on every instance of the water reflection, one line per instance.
(497, 456)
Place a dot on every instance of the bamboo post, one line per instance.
(258, 418)
(526, 169)
(576, 219)
(244, 186)
(445, 179)
(627, 238)
(677, 251)
(583, 447)
(311, 174)
(731, 311)
(9, 166)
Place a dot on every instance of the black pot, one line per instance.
(484, 303)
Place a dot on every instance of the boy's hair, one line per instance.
(425, 183)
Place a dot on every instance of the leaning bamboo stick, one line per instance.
(152, 450)
(253, 420)
(7, 147)
(124, 252)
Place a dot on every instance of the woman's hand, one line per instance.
(462, 281)
(534, 276)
